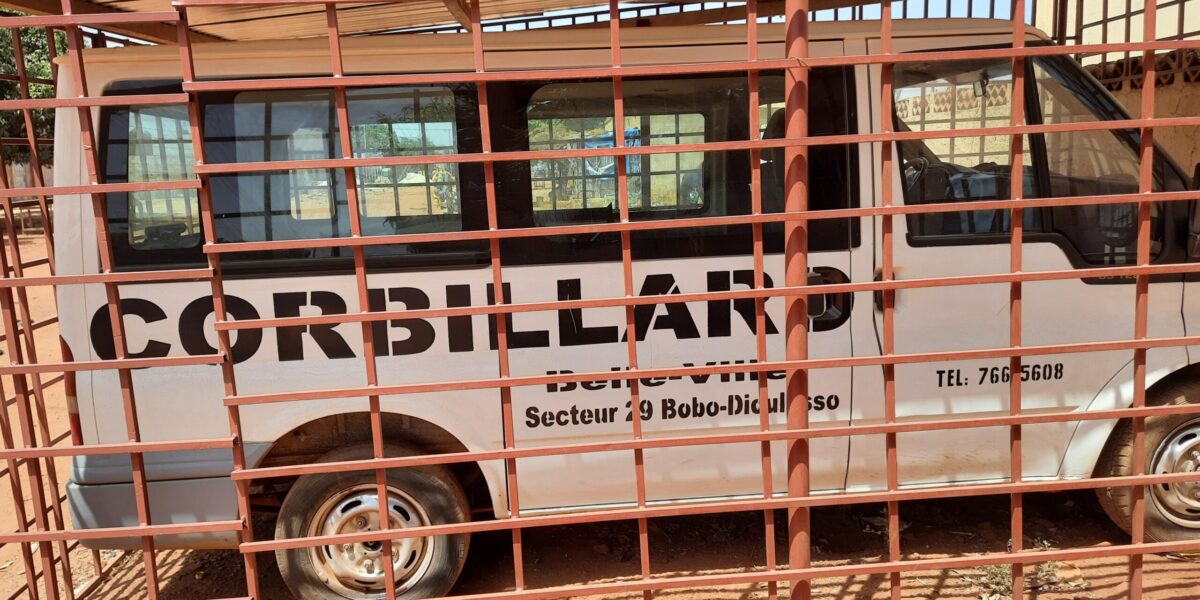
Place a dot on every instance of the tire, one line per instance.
(427, 495)
(1172, 511)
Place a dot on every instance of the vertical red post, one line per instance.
(1016, 192)
(220, 314)
(796, 274)
(360, 281)
(887, 273)
(635, 395)
(1142, 291)
(760, 312)
(502, 319)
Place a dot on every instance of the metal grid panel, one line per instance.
(48, 532)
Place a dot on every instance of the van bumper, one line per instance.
(174, 501)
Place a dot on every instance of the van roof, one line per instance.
(561, 39)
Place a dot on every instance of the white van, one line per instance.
(162, 230)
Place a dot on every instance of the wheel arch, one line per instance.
(1088, 441)
(306, 443)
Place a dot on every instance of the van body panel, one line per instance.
(174, 319)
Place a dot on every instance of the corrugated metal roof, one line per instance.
(302, 20)
(298, 21)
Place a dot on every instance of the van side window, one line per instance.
(949, 95)
(405, 122)
(572, 116)
(293, 204)
(159, 147)
(666, 111)
(1093, 163)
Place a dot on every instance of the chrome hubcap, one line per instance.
(357, 570)
(1179, 453)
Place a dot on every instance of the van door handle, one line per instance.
(877, 295)
(827, 312)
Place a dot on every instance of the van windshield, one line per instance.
(949, 95)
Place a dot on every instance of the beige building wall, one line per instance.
(1180, 99)
(1114, 21)
(1176, 18)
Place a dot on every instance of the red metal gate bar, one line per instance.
(837, 571)
(228, 378)
(760, 318)
(717, 507)
(818, 363)
(796, 363)
(635, 396)
(887, 273)
(500, 297)
(29, 348)
(828, 140)
(227, 85)
(1142, 291)
(415, 238)
(69, 21)
(99, 202)
(360, 280)
(795, 256)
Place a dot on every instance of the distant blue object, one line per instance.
(608, 168)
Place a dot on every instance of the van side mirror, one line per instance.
(1194, 222)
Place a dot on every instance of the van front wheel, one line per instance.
(345, 503)
(1172, 446)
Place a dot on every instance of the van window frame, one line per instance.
(1174, 215)
(516, 197)
(129, 259)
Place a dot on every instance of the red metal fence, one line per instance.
(31, 447)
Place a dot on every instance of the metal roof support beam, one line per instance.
(159, 33)
(766, 8)
(461, 11)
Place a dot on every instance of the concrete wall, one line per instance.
(1179, 99)
(1169, 22)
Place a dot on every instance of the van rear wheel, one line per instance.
(1172, 446)
(341, 503)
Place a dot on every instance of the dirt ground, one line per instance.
(679, 546)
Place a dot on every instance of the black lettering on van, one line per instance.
(245, 342)
(290, 339)
(678, 317)
(420, 332)
(719, 315)
(460, 330)
(102, 333)
(538, 338)
(571, 330)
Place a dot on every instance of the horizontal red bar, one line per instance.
(684, 223)
(640, 373)
(130, 100)
(728, 146)
(349, 81)
(706, 581)
(753, 293)
(102, 533)
(194, 3)
(950, 54)
(119, 363)
(99, 18)
(17, 79)
(818, 431)
(124, 277)
(723, 506)
(669, 69)
(106, 449)
(101, 188)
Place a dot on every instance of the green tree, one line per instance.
(37, 66)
